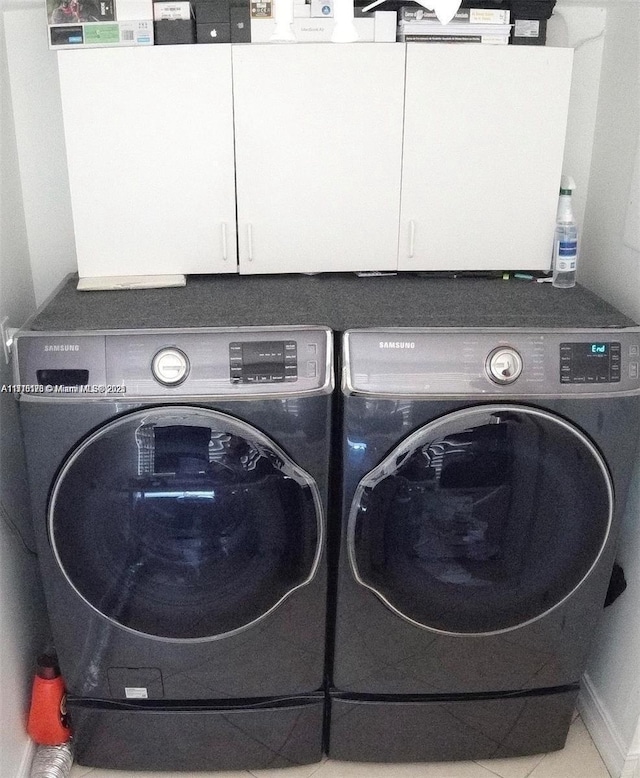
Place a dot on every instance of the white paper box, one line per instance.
(310, 30)
(178, 9)
(133, 10)
(385, 26)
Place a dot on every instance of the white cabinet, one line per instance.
(336, 163)
(318, 155)
(483, 146)
(149, 136)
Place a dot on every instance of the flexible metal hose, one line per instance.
(52, 761)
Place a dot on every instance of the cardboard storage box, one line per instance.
(82, 24)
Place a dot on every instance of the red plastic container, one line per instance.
(47, 723)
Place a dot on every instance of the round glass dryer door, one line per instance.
(481, 521)
(184, 523)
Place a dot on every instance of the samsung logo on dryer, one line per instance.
(63, 347)
(397, 344)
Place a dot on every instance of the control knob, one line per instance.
(170, 366)
(504, 365)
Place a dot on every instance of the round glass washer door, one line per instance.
(184, 523)
(482, 521)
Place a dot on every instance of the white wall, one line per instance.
(580, 27)
(610, 265)
(607, 264)
(35, 95)
(602, 156)
(23, 627)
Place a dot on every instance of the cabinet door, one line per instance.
(318, 156)
(483, 147)
(149, 134)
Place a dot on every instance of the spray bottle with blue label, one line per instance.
(565, 242)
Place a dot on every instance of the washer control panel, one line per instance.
(263, 361)
(197, 363)
(492, 362)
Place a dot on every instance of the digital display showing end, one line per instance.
(589, 363)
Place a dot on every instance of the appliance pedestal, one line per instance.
(445, 729)
(158, 735)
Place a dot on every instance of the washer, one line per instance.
(485, 473)
(179, 484)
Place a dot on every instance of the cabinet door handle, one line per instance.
(223, 229)
(412, 237)
(249, 243)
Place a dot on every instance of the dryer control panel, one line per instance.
(463, 362)
(593, 362)
(239, 362)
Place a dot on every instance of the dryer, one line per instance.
(179, 484)
(485, 473)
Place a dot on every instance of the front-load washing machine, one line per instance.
(179, 484)
(485, 473)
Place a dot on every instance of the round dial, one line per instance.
(504, 365)
(170, 366)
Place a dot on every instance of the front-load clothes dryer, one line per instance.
(485, 474)
(179, 485)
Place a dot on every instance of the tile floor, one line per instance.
(579, 759)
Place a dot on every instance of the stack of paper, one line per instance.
(469, 25)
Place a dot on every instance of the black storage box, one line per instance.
(222, 21)
(170, 31)
(240, 23)
(209, 11)
(213, 32)
(529, 19)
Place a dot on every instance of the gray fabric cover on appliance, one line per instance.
(339, 301)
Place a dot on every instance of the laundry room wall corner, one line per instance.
(31, 79)
(610, 252)
(610, 697)
(22, 616)
(610, 700)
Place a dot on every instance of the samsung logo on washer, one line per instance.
(64, 347)
(397, 344)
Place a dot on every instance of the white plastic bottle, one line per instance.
(565, 242)
(283, 30)
(344, 29)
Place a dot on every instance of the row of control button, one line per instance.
(170, 366)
